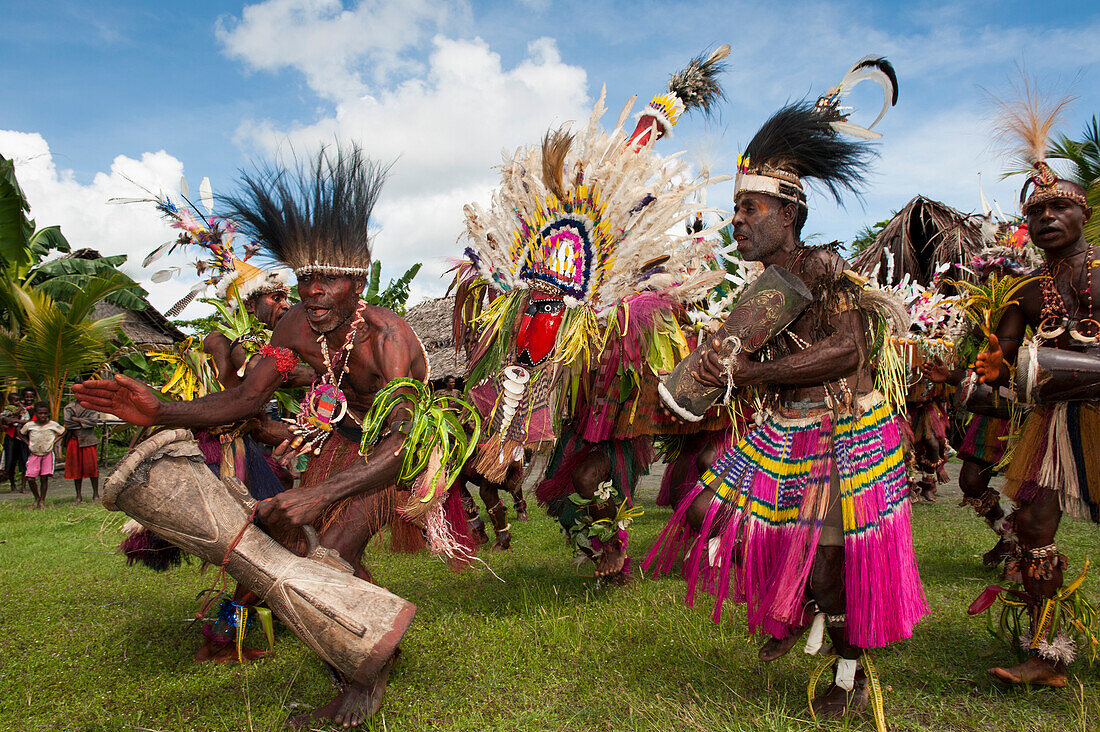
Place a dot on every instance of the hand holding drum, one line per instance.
(767, 305)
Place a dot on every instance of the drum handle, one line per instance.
(313, 542)
(323, 554)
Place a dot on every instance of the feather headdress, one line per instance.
(693, 87)
(220, 265)
(580, 245)
(313, 217)
(803, 141)
(1024, 125)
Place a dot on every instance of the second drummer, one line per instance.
(1049, 476)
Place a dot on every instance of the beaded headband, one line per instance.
(781, 184)
(1046, 188)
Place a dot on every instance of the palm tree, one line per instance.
(56, 341)
(1084, 156)
(24, 249)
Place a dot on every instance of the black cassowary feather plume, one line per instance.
(885, 67)
(798, 139)
(314, 217)
(697, 84)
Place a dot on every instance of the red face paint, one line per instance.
(538, 329)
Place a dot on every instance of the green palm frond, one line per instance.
(1084, 156)
(985, 304)
(56, 343)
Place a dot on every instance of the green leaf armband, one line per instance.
(442, 432)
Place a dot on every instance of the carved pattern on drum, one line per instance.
(162, 486)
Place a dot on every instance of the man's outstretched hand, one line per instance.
(126, 398)
(988, 365)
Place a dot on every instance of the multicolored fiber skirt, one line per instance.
(771, 497)
(985, 440)
(1058, 452)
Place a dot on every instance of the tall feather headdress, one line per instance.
(1023, 127)
(802, 141)
(693, 87)
(585, 224)
(223, 261)
(316, 215)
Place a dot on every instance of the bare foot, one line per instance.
(225, 653)
(835, 703)
(611, 561)
(1035, 671)
(355, 704)
(503, 541)
(998, 553)
(775, 648)
(521, 511)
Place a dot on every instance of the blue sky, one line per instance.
(94, 90)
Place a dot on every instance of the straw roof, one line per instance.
(146, 328)
(921, 237)
(431, 320)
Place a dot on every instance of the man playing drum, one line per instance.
(314, 220)
(1055, 467)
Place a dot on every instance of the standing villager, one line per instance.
(20, 411)
(81, 459)
(15, 448)
(1055, 468)
(989, 427)
(316, 220)
(42, 435)
(587, 282)
(806, 518)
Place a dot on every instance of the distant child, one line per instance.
(42, 434)
(18, 411)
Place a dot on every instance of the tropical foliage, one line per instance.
(24, 249)
(56, 341)
(396, 293)
(1084, 156)
(48, 332)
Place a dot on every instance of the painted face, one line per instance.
(539, 328)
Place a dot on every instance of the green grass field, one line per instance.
(89, 644)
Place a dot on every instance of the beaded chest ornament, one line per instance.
(324, 404)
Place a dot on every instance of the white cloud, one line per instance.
(445, 129)
(85, 217)
(330, 45)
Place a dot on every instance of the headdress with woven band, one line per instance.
(803, 141)
(1024, 126)
(223, 262)
(580, 225)
(246, 281)
(315, 216)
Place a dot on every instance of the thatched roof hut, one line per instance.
(921, 237)
(147, 328)
(431, 320)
